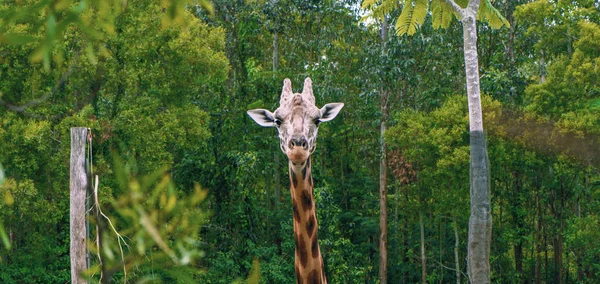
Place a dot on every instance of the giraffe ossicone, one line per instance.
(297, 120)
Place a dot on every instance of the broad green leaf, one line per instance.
(488, 13)
(378, 9)
(441, 14)
(412, 16)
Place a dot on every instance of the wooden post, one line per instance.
(78, 189)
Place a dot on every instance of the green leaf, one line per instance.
(379, 9)
(441, 13)
(4, 237)
(412, 16)
(490, 14)
(16, 39)
(51, 26)
(368, 4)
(594, 105)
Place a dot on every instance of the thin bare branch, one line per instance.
(119, 236)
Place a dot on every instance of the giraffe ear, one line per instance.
(330, 111)
(263, 117)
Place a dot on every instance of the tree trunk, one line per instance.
(480, 221)
(456, 256)
(406, 253)
(519, 222)
(277, 154)
(423, 257)
(558, 259)
(543, 68)
(383, 253)
(538, 245)
(78, 190)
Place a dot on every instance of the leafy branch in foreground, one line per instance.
(44, 22)
(148, 233)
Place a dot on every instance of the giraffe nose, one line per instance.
(299, 142)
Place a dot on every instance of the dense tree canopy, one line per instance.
(165, 85)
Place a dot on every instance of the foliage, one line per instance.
(413, 13)
(132, 77)
(572, 82)
(44, 23)
(412, 16)
(151, 234)
(175, 96)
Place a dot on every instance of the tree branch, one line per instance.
(458, 9)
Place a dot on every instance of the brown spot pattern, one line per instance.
(297, 275)
(306, 200)
(301, 251)
(310, 225)
(295, 209)
(313, 277)
(294, 179)
(315, 247)
(304, 173)
(305, 169)
(296, 242)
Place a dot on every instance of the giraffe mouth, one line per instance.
(297, 156)
(297, 167)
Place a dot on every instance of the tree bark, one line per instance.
(480, 221)
(383, 253)
(558, 258)
(78, 190)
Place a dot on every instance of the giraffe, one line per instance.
(297, 120)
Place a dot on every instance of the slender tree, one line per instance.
(383, 219)
(411, 17)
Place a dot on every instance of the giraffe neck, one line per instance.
(308, 260)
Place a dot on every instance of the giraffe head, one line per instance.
(297, 119)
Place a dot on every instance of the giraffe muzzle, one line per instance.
(297, 150)
(298, 142)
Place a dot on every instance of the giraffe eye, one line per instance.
(278, 122)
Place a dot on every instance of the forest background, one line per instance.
(169, 94)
